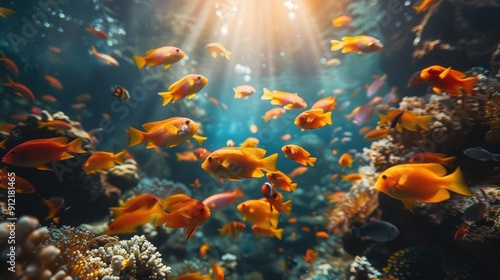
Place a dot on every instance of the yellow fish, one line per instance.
(188, 86)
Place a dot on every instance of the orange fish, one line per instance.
(280, 180)
(445, 79)
(221, 200)
(232, 228)
(377, 134)
(286, 137)
(250, 142)
(55, 125)
(310, 256)
(83, 97)
(421, 182)
(235, 163)
(217, 271)
(170, 133)
(432, 158)
(20, 89)
(9, 64)
(188, 86)
(341, 21)
(145, 201)
(6, 12)
(258, 213)
(297, 171)
(78, 106)
(346, 160)
(360, 44)
(49, 98)
(54, 49)
(189, 213)
(196, 183)
(104, 57)
(253, 128)
(218, 48)
(424, 5)
(322, 234)
(292, 220)
(274, 113)
(37, 153)
(201, 153)
(54, 82)
(353, 177)
(403, 119)
(7, 127)
(267, 232)
(461, 233)
(298, 154)
(275, 199)
(290, 101)
(55, 207)
(313, 119)
(243, 91)
(10, 179)
(102, 161)
(166, 55)
(186, 156)
(204, 248)
(98, 33)
(327, 104)
(128, 222)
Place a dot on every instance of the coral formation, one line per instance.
(124, 176)
(361, 269)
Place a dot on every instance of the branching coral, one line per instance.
(361, 268)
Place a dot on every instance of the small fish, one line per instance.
(204, 248)
(257, 212)
(403, 119)
(481, 154)
(49, 98)
(333, 62)
(421, 182)
(377, 231)
(104, 57)
(474, 212)
(235, 163)
(250, 142)
(253, 128)
(166, 55)
(376, 85)
(55, 207)
(55, 125)
(360, 44)
(273, 114)
(232, 228)
(275, 199)
(445, 79)
(37, 153)
(313, 119)
(20, 89)
(289, 101)
(54, 82)
(98, 33)
(310, 256)
(120, 92)
(221, 200)
(322, 234)
(243, 91)
(282, 181)
(201, 154)
(188, 86)
(424, 5)
(6, 12)
(128, 222)
(145, 200)
(432, 157)
(21, 185)
(9, 64)
(267, 232)
(461, 233)
(99, 162)
(353, 177)
(346, 160)
(341, 21)
(377, 134)
(218, 48)
(85, 96)
(286, 137)
(298, 154)
(297, 171)
(217, 271)
(327, 104)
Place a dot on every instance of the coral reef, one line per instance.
(124, 176)
(361, 269)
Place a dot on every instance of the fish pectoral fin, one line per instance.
(441, 195)
(191, 82)
(310, 119)
(225, 163)
(43, 167)
(257, 173)
(66, 156)
(444, 73)
(408, 205)
(191, 96)
(166, 66)
(402, 180)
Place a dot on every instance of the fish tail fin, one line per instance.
(311, 161)
(93, 49)
(167, 97)
(423, 121)
(75, 146)
(293, 187)
(200, 139)
(120, 157)
(140, 61)
(382, 117)
(279, 233)
(238, 192)
(9, 81)
(227, 55)
(287, 207)
(269, 163)
(328, 117)
(449, 161)
(268, 95)
(163, 218)
(6, 13)
(136, 136)
(2, 144)
(468, 84)
(336, 45)
(457, 184)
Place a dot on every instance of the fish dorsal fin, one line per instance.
(435, 168)
(225, 164)
(150, 52)
(444, 73)
(256, 152)
(60, 140)
(151, 125)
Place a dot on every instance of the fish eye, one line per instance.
(177, 50)
(384, 177)
(187, 122)
(199, 77)
(210, 158)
